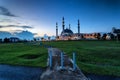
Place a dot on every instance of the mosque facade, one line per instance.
(68, 34)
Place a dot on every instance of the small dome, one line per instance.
(66, 32)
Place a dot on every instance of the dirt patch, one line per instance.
(30, 56)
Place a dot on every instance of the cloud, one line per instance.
(23, 35)
(1, 26)
(16, 30)
(25, 27)
(6, 20)
(4, 11)
(8, 26)
(35, 33)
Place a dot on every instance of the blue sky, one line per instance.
(42, 15)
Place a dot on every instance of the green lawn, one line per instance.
(99, 57)
(14, 53)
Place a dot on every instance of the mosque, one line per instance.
(67, 34)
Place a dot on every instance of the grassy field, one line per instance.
(23, 54)
(98, 57)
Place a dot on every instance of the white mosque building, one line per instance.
(68, 34)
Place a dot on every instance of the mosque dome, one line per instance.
(66, 32)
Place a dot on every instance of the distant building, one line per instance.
(68, 34)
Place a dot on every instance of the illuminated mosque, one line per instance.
(67, 34)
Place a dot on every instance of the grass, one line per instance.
(98, 57)
(11, 53)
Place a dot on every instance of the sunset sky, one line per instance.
(40, 16)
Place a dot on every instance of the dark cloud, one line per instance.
(24, 27)
(1, 26)
(17, 30)
(4, 11)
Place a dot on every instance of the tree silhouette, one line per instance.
(111, 36)
(98, 36)
(57, 37)
(6, 40)
(117, 32)
(104, 36)
(49, 38)
(42, 38)
(0, 40)
(34, 39)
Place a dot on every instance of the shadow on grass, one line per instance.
(30, 56)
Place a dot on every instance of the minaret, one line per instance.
(78, 26)
(63, 24)
(69, 27)
(56, 29)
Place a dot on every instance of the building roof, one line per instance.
(66, 32)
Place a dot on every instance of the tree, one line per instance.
(95, 35)
(118, 36)
(111, 36)
(0, 40)
(117, 32)
(42, 38)
(57, 37)
(34, 39)
(6, 40)
(104, 36)
(98, 36)
(49, 38)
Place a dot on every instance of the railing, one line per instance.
(50, 61)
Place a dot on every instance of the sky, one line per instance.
(40, 16)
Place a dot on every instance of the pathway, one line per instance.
(58, 73)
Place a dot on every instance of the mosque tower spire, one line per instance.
(78, 26)
(63, 23)
(69, 27)
(56, 29)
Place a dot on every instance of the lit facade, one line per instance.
(68, 34)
